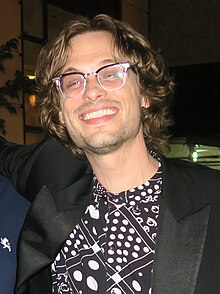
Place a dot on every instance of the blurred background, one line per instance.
(187, 33)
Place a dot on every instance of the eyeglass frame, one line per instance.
(57, 80)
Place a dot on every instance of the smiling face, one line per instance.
(100, 121)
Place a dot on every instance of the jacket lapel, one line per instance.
(181, 235)
(179, 251)
(47, 226)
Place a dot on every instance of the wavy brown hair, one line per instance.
(155, 83)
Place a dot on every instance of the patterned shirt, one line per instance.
(112, 249)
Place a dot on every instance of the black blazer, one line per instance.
(187, 258)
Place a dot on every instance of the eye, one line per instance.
(111, 74)
(72, 81)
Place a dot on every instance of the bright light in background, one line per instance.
(32, 100)
(195, 156)
(31, 77)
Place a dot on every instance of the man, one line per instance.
(143, 224)
(13, 209)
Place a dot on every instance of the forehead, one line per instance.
(91, 48)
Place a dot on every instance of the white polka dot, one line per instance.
(134, 254)
(125, 222)
(132, 190)
(77, 276)
(125, 259)
(119, 259)
(65, 249)
(92, 283)
(136, 286)
(73, 252)
(140, 187)
(119, 251)
(140, 274)
(137, 198)
(68, 242)
(58, 257)
(81, 237)
(145, 249)
(130, 238)
(112, 236)
(114, 229)
(119, 243)
(138, 240)
(115, 221)
(127, 244)
(123, 229)
(110, 260)
(117, 213)
(143, 193)
(136, 248)
(118, 268)
(131, 231)
(71, 235)
(93, 265)
(85, 246)
(120, 236)
(78, 242)
(125, 252)
(132, 203)
(111, 252)
(149, 191)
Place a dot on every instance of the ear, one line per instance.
(61, 118)
(145, 102)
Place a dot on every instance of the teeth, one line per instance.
(99, 113)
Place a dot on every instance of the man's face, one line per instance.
(100, 121)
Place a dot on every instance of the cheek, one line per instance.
(68, 115)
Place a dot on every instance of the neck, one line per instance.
(125, 168)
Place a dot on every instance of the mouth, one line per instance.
(99, 114)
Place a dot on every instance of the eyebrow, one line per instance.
(102, 63)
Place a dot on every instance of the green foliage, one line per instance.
(12, 88)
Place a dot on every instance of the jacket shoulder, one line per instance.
(195, 176)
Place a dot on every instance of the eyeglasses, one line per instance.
(110, 77)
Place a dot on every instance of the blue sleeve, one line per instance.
(13, 209)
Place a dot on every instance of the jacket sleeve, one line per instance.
(46, 163)
(16, 161)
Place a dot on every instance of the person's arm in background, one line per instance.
(47, 163)
(13, 209)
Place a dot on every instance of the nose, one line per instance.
(93, 90)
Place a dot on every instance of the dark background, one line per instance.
(197, 100)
